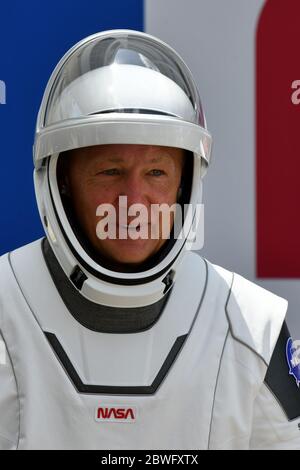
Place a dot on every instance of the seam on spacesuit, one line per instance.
(220, 362)
(202, 296)
(215, 390)
(24, 297)
(7, 439)
(17, 389)
(231, 329)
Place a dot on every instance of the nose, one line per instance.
(136, 192)
(135, 189)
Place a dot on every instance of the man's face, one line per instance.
(145, 174)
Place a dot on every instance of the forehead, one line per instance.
(124, 152)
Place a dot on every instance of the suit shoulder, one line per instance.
(255, 315)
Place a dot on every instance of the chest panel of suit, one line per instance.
(160, 373)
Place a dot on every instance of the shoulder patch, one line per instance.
(293, 359)
(283, 374)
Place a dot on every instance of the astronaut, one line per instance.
(128, 342)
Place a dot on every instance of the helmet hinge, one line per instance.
(168, 281)
(78, 277)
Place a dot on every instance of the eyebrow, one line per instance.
(153, 160)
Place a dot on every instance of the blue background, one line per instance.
(33, 38)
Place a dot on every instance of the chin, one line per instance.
(128, 252)
(130, 259)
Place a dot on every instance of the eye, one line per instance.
(109, 172)
(156, 172)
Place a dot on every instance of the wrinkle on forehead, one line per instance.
(118, 153)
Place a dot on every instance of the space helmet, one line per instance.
(118, 87)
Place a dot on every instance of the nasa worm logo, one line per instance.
(116, 414)
(293, 359)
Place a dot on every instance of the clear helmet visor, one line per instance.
(121, 87)
(124, 72)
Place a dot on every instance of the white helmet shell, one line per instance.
(116, 87)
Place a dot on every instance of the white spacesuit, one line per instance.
(178, 354)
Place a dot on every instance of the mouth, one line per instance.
(131, 227)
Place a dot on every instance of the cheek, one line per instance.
(166, 190)
(90, 197)
(166, 194)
